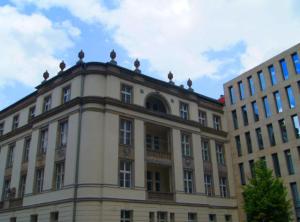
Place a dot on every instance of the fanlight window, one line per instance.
(156, 104)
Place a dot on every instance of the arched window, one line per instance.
(156, 103)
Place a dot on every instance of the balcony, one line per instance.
(160, 196)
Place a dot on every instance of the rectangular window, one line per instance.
(295, 194)
(62, 134)
(151, 217)
(188, 181)
(284, 69)
(267, 107)
(248, 142)
(212, 218)
(251, 85)
(31, 113)
(152, 142)
(232, 95)
(34, 218)
(172, 217)
(245, 115)
(15, 123)
(278, 102)
(59, 175)
(149, 181)
(217, 122)
(296, 62)
(271, 135)
(291, 98)
(162, 217)
(54, 216)
(186, 145)
(125, 132)
(43, 146)
(13, 219)
(296, 125)
(10, 155)
(126, 93)
(205, 150)
(255, 111)
(157, 181)
(276, 165)
(125, 173)
(1, 128)
(126, 216)
(223, 187)
(289, 162)
(184, 110)
(22, 186)
(47, 103)
(66, 94)
(192, 217)
(238, 146)
(220, 153)
(202, 118)
(283, 131)
(272, 75)
(252, 168)
(208, 185)
(242, 173)
(6, 189)
(241, 90)
(228, 218)
(235, 119)
(262, 81)
(259, 138)
(39, 180)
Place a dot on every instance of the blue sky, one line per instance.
(208, 41)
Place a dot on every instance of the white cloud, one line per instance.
(175, 34)
(28, 44)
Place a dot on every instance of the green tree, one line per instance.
(266, 197)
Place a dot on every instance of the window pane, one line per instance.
(245, 115)
(267, 107)
(241, 90)
(283, 130)
(289, 162)
(296, 63)
(278, 101)
(251, 86)
(238, 145)
(272, 75)
(242, 174)
(276, 165)
(291, 98)
(255, 111)
(248, 142)
(232, 95)
(271, 135)
(296, 125)
(259, 138)
(262, 81)
(284, 69)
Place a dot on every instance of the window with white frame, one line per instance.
(59, 175)
(15, 123)
(62, 134)
(192, 217)
(27, 143)
(126, 215)
(10, 155)
(6, 189)
(202, 118)
(186, 145)
(126, 93)
(43, 141)
(220, 154)
(184, 110)
(1, 128)
(157, 181)
(39, 180)
(217, 122)
(188, 181)
(31, 113)
(66, 94)
(208, 185)
(162, 216)
(125, 173)
(125, 132)
(22, 185)
(223, 187)
(152, 142)
(47, 103)
(205, 150)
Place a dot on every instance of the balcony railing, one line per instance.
(161, 196)
(158, 154)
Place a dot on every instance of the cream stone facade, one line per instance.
(99, 142)
(270, 129)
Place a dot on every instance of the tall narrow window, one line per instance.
(278, 101)
(66, 94)
(284, 69)
(184, 110)
(272, 75)
(235, 119)
(267, 107)
(162, 216)
(296, 62)
(34, 218)
(276, 165)
(186, 145)
(245, 115)
(212, 218)
(22, 186)
(228, 218)
(126, 93)
(10, 155)
(126, 216)
(54, 216)
(47, 103)
(248, 142)
(220, 153)
(242, 174)
(271, 135)
(188, 181)
(125, 173)
(125, 132)
(255, 111)
(59, 175)
(252, 169)
(6, 188)
(251, 85)
(283, 131)
(192, 217)
(31, 113)
(15, 123)
(1, 128)
(296, 125)
(289, 162)
(63, 134)
(232, 95)
(39, 180)
(291, 98)
(217, 122)
(259, 138)
(208, 184)
(149, 181)
(205, 150)
(157, 181)
(262, 81)
(43, 141)
(27, 143)
(241, 90)
(295, 194)
(223, 187)
(238, 145)
(202, 118)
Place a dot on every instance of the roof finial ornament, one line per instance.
(137, 65)
(45, 75)
(190, 83)
(62, 66)
(113, 56)
(170, 77)
(80, 56)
